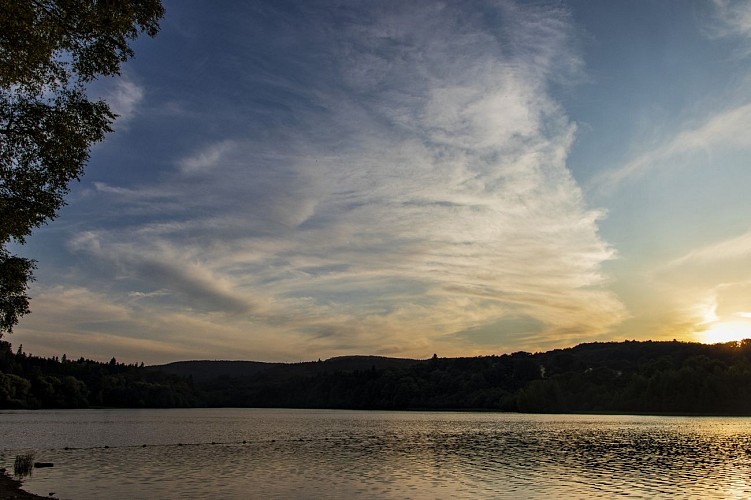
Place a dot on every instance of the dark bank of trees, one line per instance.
(627, 377)
(28, 381)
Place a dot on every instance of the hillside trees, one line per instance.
(28, 381)
(49, 51)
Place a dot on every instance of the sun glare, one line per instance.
(726, 331)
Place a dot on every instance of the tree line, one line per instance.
(612, 377)
(31, 382)
(627, 377)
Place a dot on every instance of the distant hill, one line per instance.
(207, 370)
(204, 370)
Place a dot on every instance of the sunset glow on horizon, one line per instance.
(726, 331)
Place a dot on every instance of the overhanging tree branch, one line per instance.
(49, 51)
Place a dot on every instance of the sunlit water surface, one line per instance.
(252, 453)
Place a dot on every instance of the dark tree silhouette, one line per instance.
(49, 51)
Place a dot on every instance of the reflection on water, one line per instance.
(343, 454)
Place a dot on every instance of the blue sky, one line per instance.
(295, 180)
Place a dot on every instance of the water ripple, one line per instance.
(309, 454)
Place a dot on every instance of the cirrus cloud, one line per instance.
(417, 197)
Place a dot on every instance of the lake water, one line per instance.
(253, 453)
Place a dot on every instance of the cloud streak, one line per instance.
(719, 132)
(708, 135)
(123, 95)
(420, 194)
(728, 250)
(733, 19)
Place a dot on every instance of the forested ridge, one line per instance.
(620, 377)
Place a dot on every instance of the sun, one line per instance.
(723, 324)
(726, 331)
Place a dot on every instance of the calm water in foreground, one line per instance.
(248, 453)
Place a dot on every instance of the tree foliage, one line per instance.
(627, 377)
(49, 51)
(28, 381)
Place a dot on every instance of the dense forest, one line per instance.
(620, 377)
(28, 381)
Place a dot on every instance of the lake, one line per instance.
(260, 453)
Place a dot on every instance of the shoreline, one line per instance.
(615, 413)
(11, 488)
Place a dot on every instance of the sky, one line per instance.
(289, 181)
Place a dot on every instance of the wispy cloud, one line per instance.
(723, 131)
(420, 194)
(123, 96)
(207, 158)
(723, 251)
(732, 18)
(717, 126)
(77, 320)
(195, 285)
